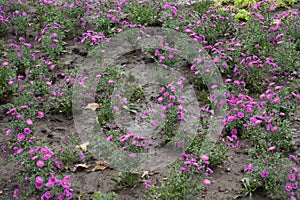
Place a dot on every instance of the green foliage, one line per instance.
(278, 170)
(178, 184)
(242, 15)
(104, 92)
(201, 7)
(126, 180)
(214, 25)
(108, 196)
(67, 17)
(53, 45)
(245, 3)
(145, 13)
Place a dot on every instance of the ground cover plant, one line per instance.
(254, 45)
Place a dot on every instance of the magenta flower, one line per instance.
(180, 144)
(210, 171)
(49, 184)
(68, 194)
(46, 156)
(20, 151)
(21, 137)
(48, 195)
(67, 178)
(214, 87)
(109, 138)
(294, 169)
(110, 82)
(29, 122)
(116, 109)
(65, 184)
(11, 81)
(183, 169)
(60, 196)
(272, 148)
(34, 157)
(295, 185)
(8, 132)
(38, 185)
(39, 179)
(5, 63)
(204, 158)
(206, 182)
(32, 151)
(161, 58)
(40, 114)
(264, 174)
(160, 99)
(249, 168)
(40, 163)
(43, 150)
(292, 177)
(155, 122)
(274, 128)
(288, 187)
(81, 155)
(148, 184)
(276, 100)
(249, 109)
(16, 193)
(240, 114)
(292, 157)
(132, 155)
(54, 35)
(27, 131)
(57, 163)
(216, 60)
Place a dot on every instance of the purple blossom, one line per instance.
(264, 174)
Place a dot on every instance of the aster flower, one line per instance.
(206, 182)
(40, 163)
(29, 122)
(292, 177)
(264, 174)
(288, 187)
(21, 137)
(27, 131)
(249, 168)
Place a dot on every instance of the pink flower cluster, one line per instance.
(54, 182)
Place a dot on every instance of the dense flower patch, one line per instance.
(255, 47)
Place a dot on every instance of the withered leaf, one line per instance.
(92, 106)
(83, 146)
(100, 165)
(80, 166)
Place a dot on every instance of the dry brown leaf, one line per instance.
(85, 166)
(100, 165)
(83, 146)
(82, 165)
(92, 106)
(145, 175)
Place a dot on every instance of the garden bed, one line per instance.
(65, 113)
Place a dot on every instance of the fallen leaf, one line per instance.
(145, 174)
(92, 106)
(84, 166)
(83, 146)
(100, 165)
